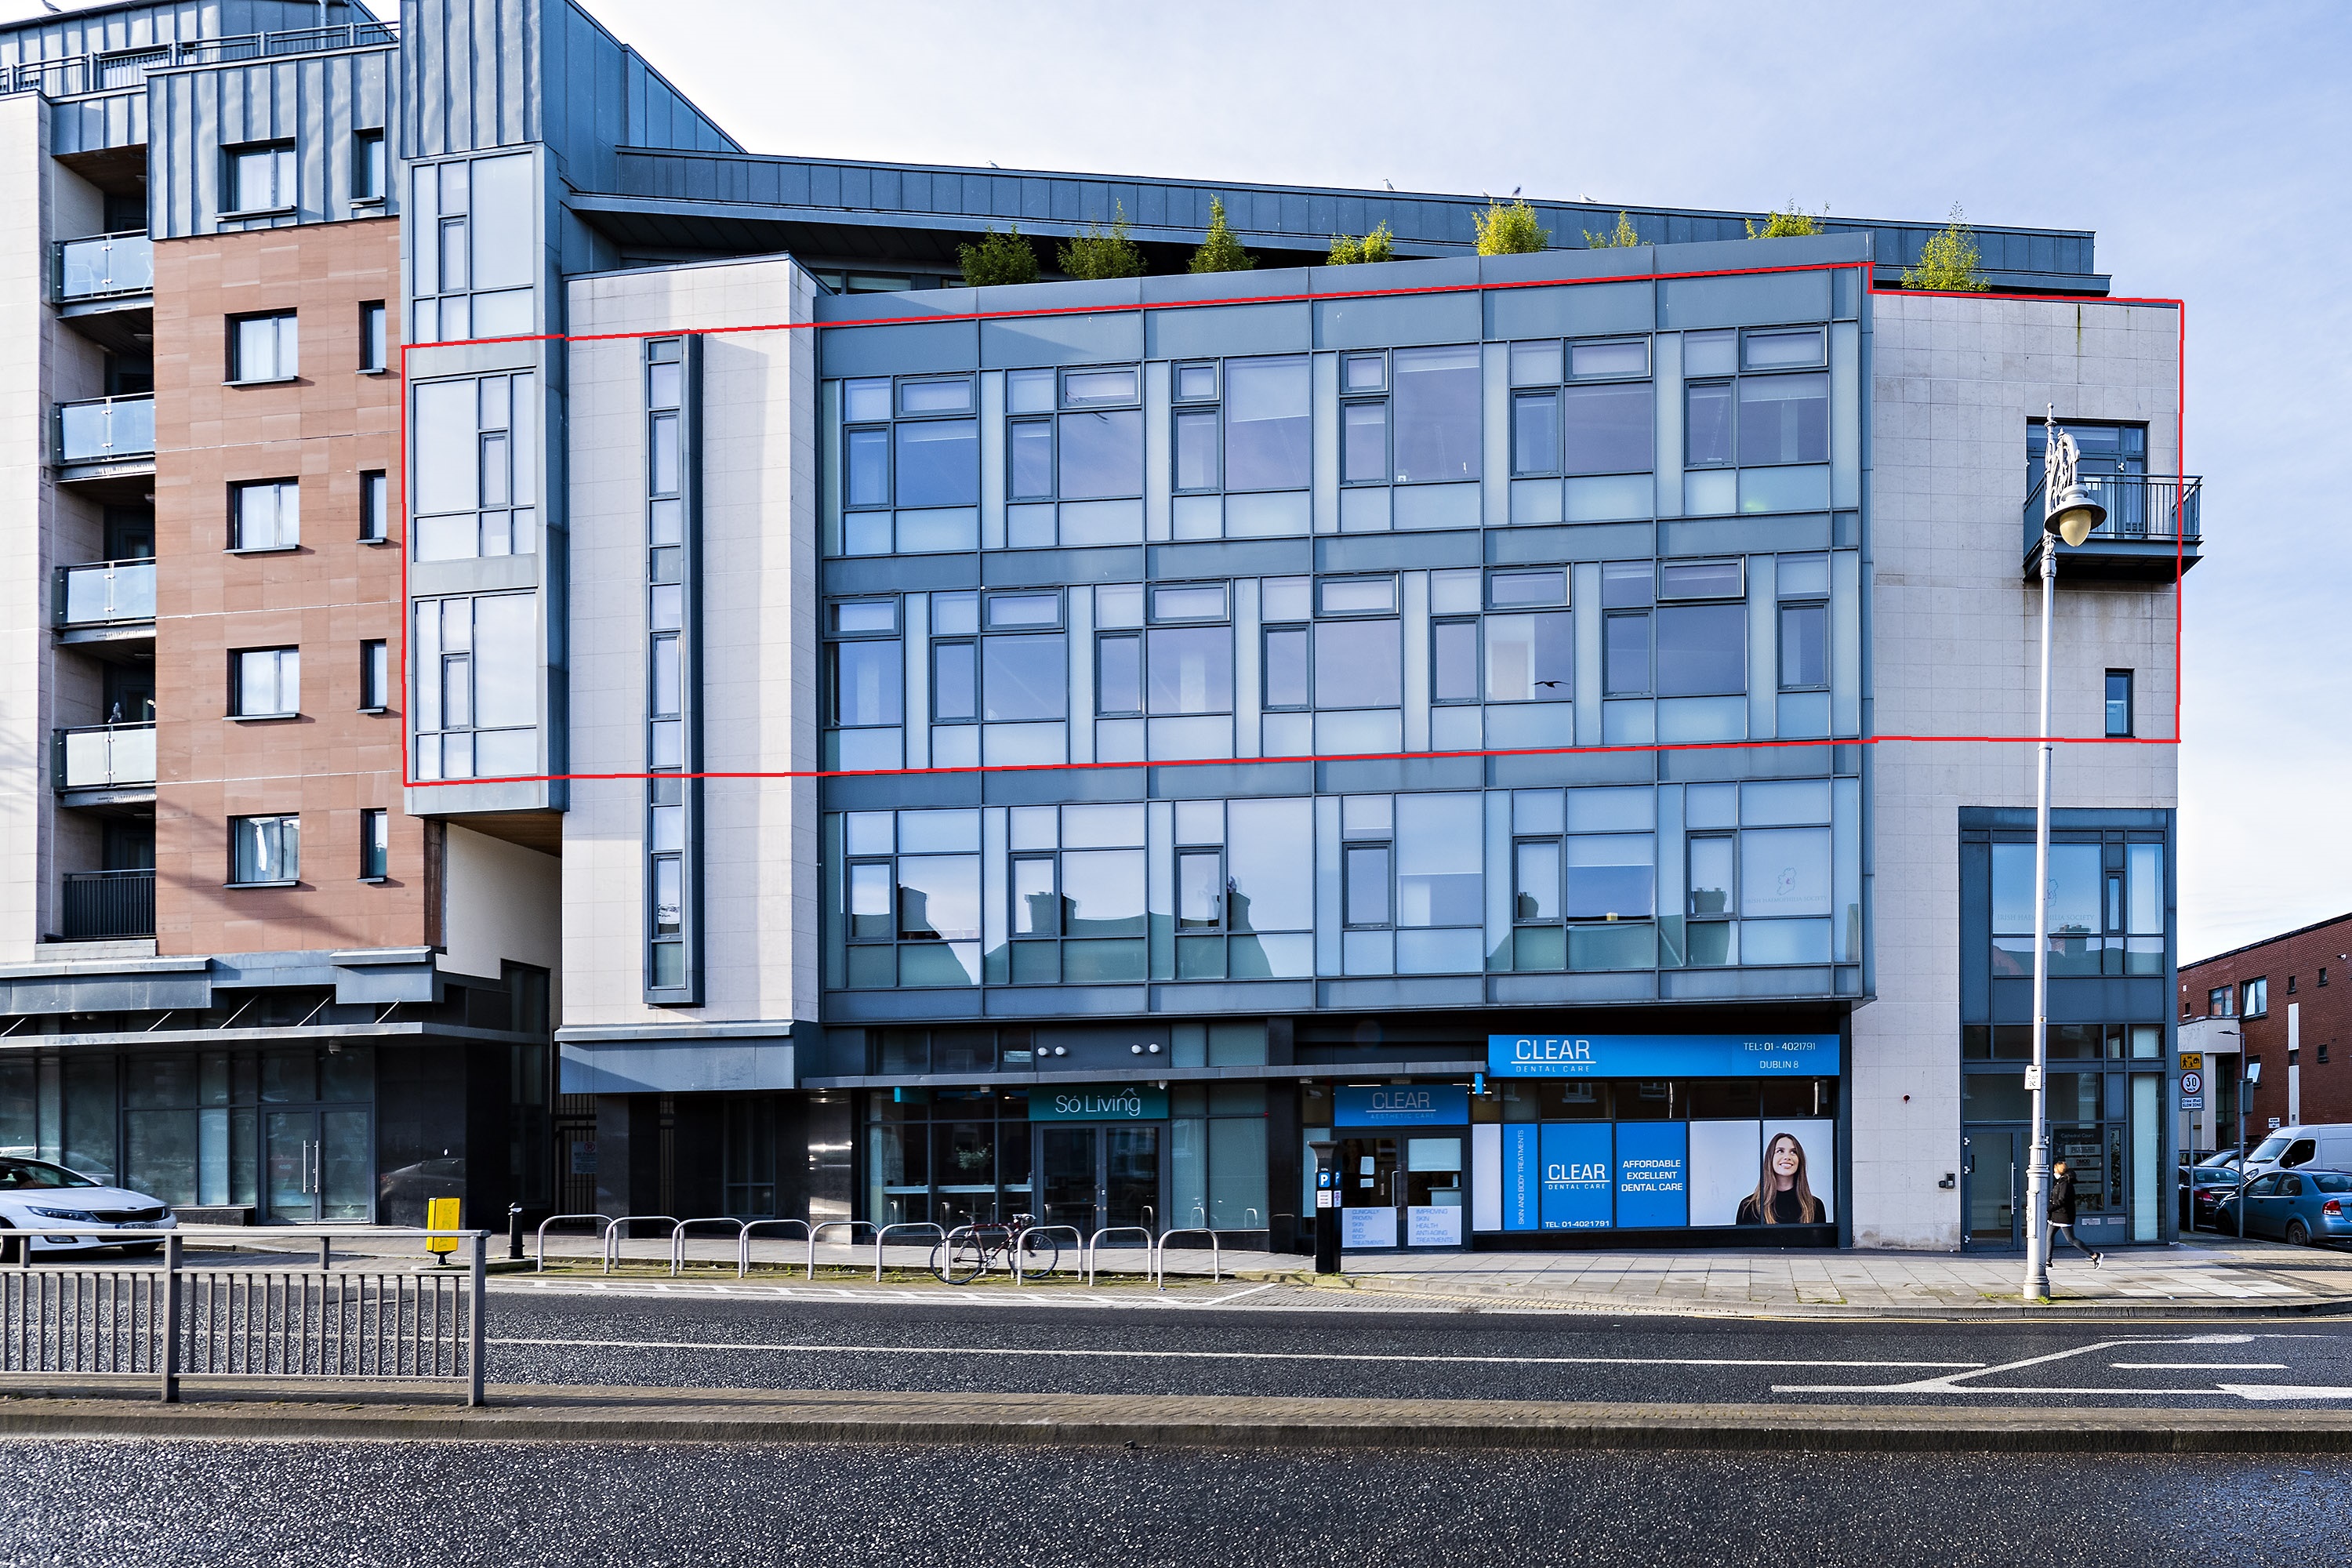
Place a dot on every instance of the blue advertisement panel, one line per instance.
(1520, 1176)
(1401, 1105)
(1576, 1175)
(1662, 1055)
(1653, 1174)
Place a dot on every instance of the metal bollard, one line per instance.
(168, 1330)
(326, 1254)
(514, 1230)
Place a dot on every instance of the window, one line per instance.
(1267, 444)
(1804, 585)
(2220, 1002)
(265, 682)
(475, 667)
(1756, 419)
(375, 844)
(477, 455)
(367, 166)
(1608, 428)
(2254, 999)
(1584, 865)
(265, 514)
(265, 851)
(1784, 419)
(375, 506)
(260, 178)
(1358, 664)
(372, 348)
(262, 348)
(2290, 984)
(1435, 409)
(2323, 974)
(375, 676)
(2119, 702)
(2322, 1062)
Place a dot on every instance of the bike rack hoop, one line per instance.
(617, 1232)
(678, 1238)
(883, 1235)
(1069, 1230)
(603, 1222)
(1159, 1254)
(743, 1241)
(818, 1230)
(1094, 1247)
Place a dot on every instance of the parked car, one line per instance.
(2327, 1145)
(2202, 1188)
(2305, 1208)
(38, 1195)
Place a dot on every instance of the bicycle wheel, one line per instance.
(1039, 1255)
(967, 1261)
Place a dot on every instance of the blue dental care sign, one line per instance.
(1653, 1174)
(1662, 1055)
(1400, 1105)
(1576, 1175)
(1522, 1176)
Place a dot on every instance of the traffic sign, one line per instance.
(2192, 1061)
(2191, 1083)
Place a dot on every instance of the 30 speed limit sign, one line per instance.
(2192, 1083)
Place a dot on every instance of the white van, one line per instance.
(2327, 1145)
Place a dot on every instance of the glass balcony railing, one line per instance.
(106, 430)
(106, 756)
(109, 903)
(106, 593)
(105, 265)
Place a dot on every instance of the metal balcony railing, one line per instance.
(71, 74)
(2141, 509)
(106, 430)
(106, 756)
(105, 265)
(109, 903)
(106, 593)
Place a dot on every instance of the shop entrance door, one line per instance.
(1992, 1189)
(1096, 1176)
(321, 1166)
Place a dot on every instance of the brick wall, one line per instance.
(2292, 964)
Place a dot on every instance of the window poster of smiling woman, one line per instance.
(1763, 1173)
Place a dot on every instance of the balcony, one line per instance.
(105, 764)
(2152, 520)
(100, 904)
(105, 437)
(106, 597)
(73, 74)
(105, 267)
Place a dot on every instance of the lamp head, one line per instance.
(2073, 514)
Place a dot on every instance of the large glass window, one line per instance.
(1784, 419)
(1191, 670)
(265, 682)
(1702, 650)
(1435, 409)
(475, 702)
(1609, 428)
(265, 849)
(266, 514)
(1530, 657)
(260, 178)
(264, 348)
(476, 463)
(1101, 454)
(1358, 664)
(1267, 441)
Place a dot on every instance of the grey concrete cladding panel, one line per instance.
(316, 101)
(189, 986)
(678, 1066)
(1209, 331)
(1757, 300)
(1398, 319)
(1110, 337)
(1570, 311)
(907, 348)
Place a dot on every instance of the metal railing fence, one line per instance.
(109, 903)
(2140, 507)
(289, 1321)
(69, 75)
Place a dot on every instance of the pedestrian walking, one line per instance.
(2061, 1214)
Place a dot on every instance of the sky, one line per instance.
(2204, 145)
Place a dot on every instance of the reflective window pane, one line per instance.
(939, 463)
(1535, 364)
(1358, 664)
(1711, 876)
(1610, 874)
(1784, 419)
(1367, 875)
(1081, 386)
(1285, 667)
(1528, 658)
(1438, 859)
(954, 678)
(1700, 580)
(1191, 670)
(1607, 429)
(1535, 433)
(1360, 596)
(865, 685)
(1702, 650)
(1200, 890)
(1103, 892)
(1269, 851)
(1804, 646)
(1035, 910)
(1195, 381)
(1453, 665)
(935, 397)
(1364, 443)
(1196, 452)
(1101, 454)
(1031, 460)
(1627, 358)
(1536, 894)
(938, 896)
(1010, 610)
(1436, 404)
(1025, 677)
(867, 462)
(862, 401)
(1786, 871)
(1772, 351)
(1706, 424)
(1509, 590)
(1267, 444)
(1119, 675)
(1625, 669)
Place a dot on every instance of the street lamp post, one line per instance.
(2068, 514)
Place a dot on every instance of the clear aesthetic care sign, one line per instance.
(1662, 1055)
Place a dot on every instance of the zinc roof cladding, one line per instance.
(1049, 203)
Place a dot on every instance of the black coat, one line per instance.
(2062, 1199)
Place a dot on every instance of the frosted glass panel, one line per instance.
(1709, 493)
(1271, 515)
(1609, 499)
(1371, 729)
(1702, 718)
(1784, 489)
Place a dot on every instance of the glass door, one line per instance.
(1992, 1189)
(1097, 1175)
(1131, 1171)
(1067, 1175)
(319, 1166)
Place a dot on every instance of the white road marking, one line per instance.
(2197, 1365)
(1217, 1355)
(1959, 1382)
(2261, 1391)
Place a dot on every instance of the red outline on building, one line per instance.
(1870, 285)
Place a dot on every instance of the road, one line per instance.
(651, 1506)
(1239, 1340)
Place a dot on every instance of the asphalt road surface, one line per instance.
(1232, 1342)
(650, 1506)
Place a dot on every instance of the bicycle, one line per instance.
(971, 1251)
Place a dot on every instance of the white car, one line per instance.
(38, 1195)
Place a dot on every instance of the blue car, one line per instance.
(2303, 1208)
